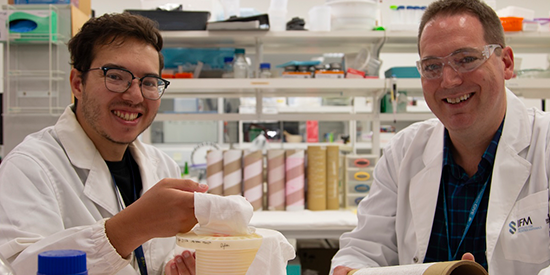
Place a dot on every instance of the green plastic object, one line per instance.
(33, 25)
(186, 170)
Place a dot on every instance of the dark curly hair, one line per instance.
(111, 28)
(492, 27)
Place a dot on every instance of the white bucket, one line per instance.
(228, 255)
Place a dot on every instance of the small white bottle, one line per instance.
(240, 66)
(265, 70)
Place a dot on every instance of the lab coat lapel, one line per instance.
(81, 151)
(425, 189)
(99, 186)
(510, 170)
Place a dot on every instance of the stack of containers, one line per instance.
(358, 178)
(353, 14)
(517, 19)
(241, 172)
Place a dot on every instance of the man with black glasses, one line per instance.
(87, 183)
(471, 184)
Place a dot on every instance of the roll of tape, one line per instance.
(361, 163)
(361, 175)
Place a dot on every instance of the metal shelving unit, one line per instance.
(259, 43)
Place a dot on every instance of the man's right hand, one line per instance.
(342, 270)
(164, 210)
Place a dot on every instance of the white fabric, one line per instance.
(56, 191)
(273, 255)
(230, 215)
(395, 221)
(227, 215)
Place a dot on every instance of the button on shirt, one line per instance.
(461, 191)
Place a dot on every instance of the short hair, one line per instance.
(111, 28)
(493, 32)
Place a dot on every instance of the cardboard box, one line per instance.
(78, 18)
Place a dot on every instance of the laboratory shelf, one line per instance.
(275, 42)
(334, 41)
(530, 87)
(370, 91)
(207, 87)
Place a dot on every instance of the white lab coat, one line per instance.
(395, 221)
(56, 192)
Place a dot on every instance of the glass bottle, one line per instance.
(265, 70)
(240, 66)
(227, 67)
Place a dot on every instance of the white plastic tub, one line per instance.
(358, 14)
(353, 8)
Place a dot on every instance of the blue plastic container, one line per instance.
(402, 72)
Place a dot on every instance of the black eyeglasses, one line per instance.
(119, 80)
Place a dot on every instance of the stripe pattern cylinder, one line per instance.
(214, 172)
(333, 176)
(294, 172)
(276, 179)
(316, 178)
(232, 172)
(253, 178)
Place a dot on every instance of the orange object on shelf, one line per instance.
(184, 75)
(167, 75)
(512, 24)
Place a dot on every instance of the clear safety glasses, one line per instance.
(462, 61)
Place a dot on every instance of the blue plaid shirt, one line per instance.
(461, 191)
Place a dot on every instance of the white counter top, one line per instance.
(307, 224)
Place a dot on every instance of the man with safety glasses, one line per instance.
(87, 183)
(471, 184)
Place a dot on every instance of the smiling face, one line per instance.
(469, 102)
(113, 120)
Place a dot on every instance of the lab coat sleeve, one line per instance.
(373, 242)
(31, 220)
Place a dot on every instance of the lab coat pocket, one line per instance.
(525, 236)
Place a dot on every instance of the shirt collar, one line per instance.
(488, 155)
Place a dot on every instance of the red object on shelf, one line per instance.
(312, 131)
(512, 24)
(184, 75)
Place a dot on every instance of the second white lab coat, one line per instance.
(395, 221)
(56, 192)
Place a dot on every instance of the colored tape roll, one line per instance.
(361, 163)
(361, 175)
(362, 188)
